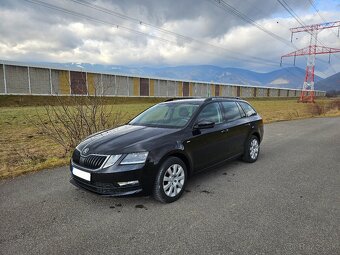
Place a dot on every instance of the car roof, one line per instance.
(202, 99)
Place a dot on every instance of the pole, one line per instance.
(29, 80)
(5, 81)
(51, 85)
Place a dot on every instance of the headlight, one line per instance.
(111, 160)
(135, 158)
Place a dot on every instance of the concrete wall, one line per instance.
(247, 92)
(163, 90)
(283, 93)
(40, 81)
(94, 84)
(261, 92)
(121, 85)
(55, 81)
(21, 79)
(17, 80)
(291, 93)
(273, 93)
(108, 84)
(228, 91)
(172, 88)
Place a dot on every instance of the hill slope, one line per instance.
(330, 83)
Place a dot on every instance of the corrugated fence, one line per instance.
(18, 78)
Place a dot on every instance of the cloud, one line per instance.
(33, 32)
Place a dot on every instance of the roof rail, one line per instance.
(206, 98)
(215, 98)
(181, 98)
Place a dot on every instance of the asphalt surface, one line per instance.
(288, 202)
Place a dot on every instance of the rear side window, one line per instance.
(231, 111)
(249, 111)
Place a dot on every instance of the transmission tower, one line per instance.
(307, 93)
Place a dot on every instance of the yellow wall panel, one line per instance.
(180, 89)
(152, 87)
(64, 83)
(136, 86)
(212, 90)
(90, 83)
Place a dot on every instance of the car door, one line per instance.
(236, 127)
(206, 144)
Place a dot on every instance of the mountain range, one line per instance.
(330, 83)
(290, 77)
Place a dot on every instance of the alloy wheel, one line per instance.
(173, 180)
(254, 149)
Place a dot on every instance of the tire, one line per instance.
(251, 150)
(170, 180)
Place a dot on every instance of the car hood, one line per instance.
(124, 139)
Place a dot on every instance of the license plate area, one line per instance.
(81, 174)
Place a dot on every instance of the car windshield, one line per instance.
(169, 115)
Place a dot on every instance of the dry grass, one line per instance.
(23, 149)
(289, 109)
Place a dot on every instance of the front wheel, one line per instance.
(251, 150)
(171, 180)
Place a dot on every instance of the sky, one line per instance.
(159, 33)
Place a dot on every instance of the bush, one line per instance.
(67, 123)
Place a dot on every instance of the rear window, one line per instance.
(249, 111)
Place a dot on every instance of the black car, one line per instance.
(162, 147)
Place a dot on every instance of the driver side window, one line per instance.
(210, 112)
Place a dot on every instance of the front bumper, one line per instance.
(105, 189)
(106, 181)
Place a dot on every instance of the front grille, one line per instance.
(90, 162)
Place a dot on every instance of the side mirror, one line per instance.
(203, 124)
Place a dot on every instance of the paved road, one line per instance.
(288, 202)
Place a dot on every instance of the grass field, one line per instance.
(24, 149)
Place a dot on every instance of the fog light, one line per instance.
(128, 183)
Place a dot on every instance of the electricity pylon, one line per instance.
(307, 93)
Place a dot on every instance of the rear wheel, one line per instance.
(251, 150)
(170, 180)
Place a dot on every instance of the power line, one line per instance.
(70, 12)
(318, 12)
(81, 15)
(286, 6)
(125, 17)
(141, 22)
(229, 8)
